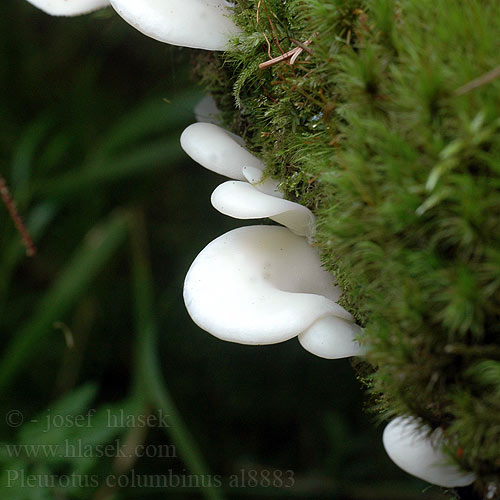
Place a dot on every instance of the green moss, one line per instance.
(403, 173)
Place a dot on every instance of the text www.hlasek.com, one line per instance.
(80, 449)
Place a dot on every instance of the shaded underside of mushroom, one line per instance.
(413, 448)
(199, 24)
(243, 201)
(214, 148)
(259, 285)
(69, 7)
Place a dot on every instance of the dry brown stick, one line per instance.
(479, 82)
(303, 46)
(16, 218)
(295, 56)
(291, 54)
(280, 58)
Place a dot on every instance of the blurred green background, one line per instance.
(94, 330)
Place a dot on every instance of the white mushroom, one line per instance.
(68, 7)
(260, 285)
(214, 148)
(332, 338)
(242, 201)
(413, 448)
(199, 24)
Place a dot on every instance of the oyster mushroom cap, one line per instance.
(414, 449)
(214, 148)
(332, 338)
(199, 24)
(68, 7)
(259, 285)
(242, 201)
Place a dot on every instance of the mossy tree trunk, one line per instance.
(388, 127)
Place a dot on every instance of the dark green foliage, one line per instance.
(375, 133)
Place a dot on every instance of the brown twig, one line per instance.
(291, 55)
(303, 46)
(16, 218)
(280, 58)
(479, 82)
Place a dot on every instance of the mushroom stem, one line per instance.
(256, 178)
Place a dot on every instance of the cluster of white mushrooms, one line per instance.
(262, 284)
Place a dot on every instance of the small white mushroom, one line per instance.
(216, 149)
(69, 7)
(242, 201)
(413, 448)
(260, 285)
(332, 338)
(199, 24)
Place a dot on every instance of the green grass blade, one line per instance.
(25, 150)
(152, 117)
(149, 378)
(143, 160)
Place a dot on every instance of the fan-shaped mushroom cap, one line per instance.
(332, 338)
(259, 285)
(255, 177)
(214, 148)
(68, 7)
(412, 448)
(199, 24)
(242, 201)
